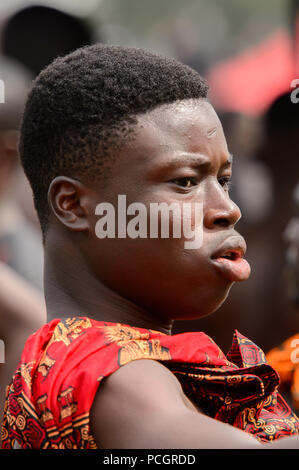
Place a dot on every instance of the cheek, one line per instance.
(160, 275)
(181, 253)
(137, 264)
(152, 239)
(181, 223)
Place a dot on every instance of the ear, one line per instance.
(68, 199)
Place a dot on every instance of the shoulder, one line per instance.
(139, 397)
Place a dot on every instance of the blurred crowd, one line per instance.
(265, 185)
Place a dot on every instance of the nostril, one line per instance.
(222, 222)
(216, 218)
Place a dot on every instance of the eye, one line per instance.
(225, 182)
(185, 182)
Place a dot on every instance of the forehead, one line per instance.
(188, 113)
(190, 126)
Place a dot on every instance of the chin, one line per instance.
(203, 307)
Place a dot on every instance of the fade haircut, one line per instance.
(83, 106)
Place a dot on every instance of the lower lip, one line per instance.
(237, 270)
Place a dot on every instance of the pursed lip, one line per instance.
(229, 260)
(234, 245)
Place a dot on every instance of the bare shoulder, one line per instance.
(134, 399)
(142, 405)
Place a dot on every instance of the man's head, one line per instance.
(108, 121)
(84, 106)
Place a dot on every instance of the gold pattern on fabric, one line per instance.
(70, 330)
(67, 404)
(25, 370)
(46, 364)
(120, 333)
(150, 349)
(45, 413)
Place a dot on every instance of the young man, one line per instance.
(106, 131)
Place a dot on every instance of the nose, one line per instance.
(220, 210)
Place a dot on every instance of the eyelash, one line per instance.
(225, 182)
(185, 178)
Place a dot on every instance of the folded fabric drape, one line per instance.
(49, 399)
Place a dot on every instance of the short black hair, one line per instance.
(84, 104)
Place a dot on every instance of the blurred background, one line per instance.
(249, 52)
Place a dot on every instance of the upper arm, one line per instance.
(142, 405)
(130, 403)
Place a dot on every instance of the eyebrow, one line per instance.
(198, 160)
(229, 161)
(194, 160)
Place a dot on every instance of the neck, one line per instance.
(72, 290)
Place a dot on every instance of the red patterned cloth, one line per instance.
(63, 363)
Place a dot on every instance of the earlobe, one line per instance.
(68, 202)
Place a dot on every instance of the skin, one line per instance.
(179, 153)
(182, 283)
